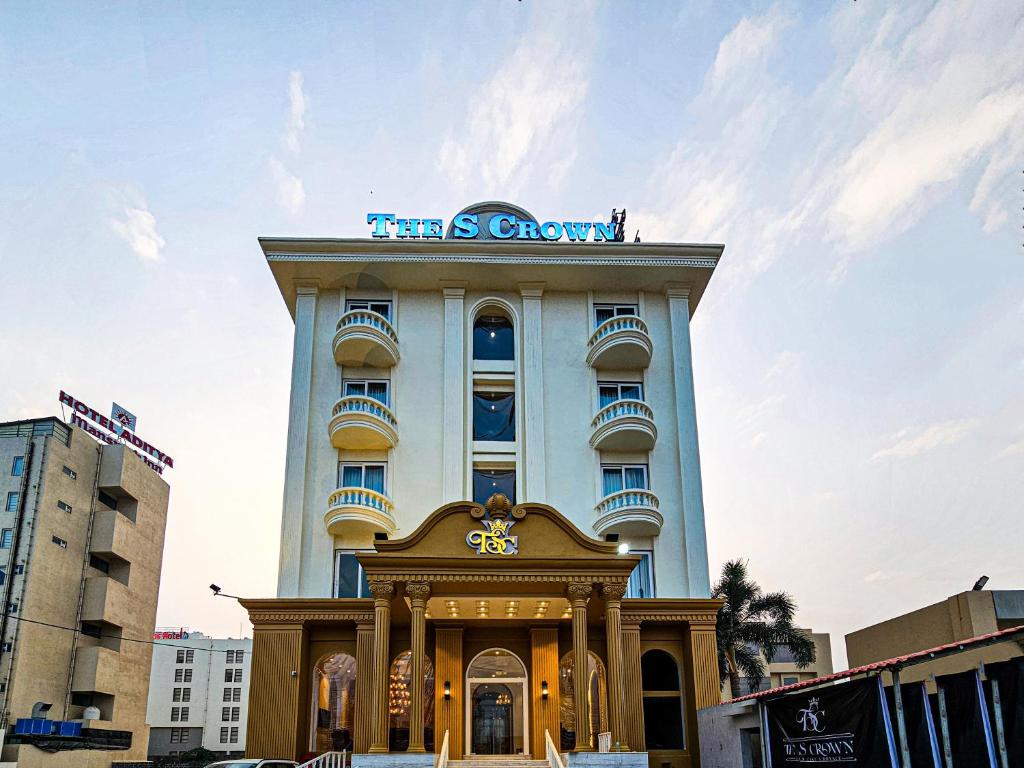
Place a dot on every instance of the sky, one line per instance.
(859, 353)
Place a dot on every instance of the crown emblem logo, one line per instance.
(496, 539)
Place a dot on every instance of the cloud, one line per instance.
(291, 193)
(137, 227)
(909, 442)
(1012, 449)
(296, 112)
(784, 362)
(523, 121)
(750, 41)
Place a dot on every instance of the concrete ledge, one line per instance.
(607, 760)
(394, 760)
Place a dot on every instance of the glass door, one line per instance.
(496, 708)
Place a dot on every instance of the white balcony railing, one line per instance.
(362, 423)
(359, 510)
(622, 342)
(365, 338)
(625, 425)
(633, 512)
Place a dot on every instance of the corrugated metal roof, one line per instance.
(896, 662)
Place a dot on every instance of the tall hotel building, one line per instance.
(492, 480)
(81, 547)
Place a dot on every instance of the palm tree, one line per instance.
(753, 624)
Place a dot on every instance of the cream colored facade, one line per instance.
(72, 560)
(958, 617)
(782, 670)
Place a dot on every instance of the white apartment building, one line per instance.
(198, 694)
(428, 371)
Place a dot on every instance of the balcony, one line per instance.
(632, 512)
(108, 600)
(365, 339)
(359, 511)
(97, 670)
(362, 423)
(625, 425)
(622, 343)
(111, 534)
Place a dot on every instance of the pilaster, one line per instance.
(382, 592)
(448, 712)
(535, 485)
(632, 687)
(453, 439)
(612, 594)
(695, 537)
(364, 687)
(418, 593)
(579, 595)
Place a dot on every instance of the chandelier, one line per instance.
(503, 699)
(398, 695)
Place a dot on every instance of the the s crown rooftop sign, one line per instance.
(495, 221)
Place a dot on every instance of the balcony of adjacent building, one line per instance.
(624, 422)
(359, 507)
(97, 670)
(362, 422)
(107, 600)
(112, 534)
(365, 337)
(620, 341)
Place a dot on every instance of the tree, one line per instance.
(753, 624)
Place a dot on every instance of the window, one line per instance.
(225, 714)
(190, 656)
(603, 312)
(224, 735)
(185, 656)
(641, 580)
(235, 713)
(6, 538)
(59, 542)
(179, 675)
(493, 338)
(179, 657)
(106, 499)
(349, 579)
(19, 569)
(176, 695)
(238, 676)
(490, 481)
(610, 391)
(99, 563)
(494, 416)
(232, 675)
(18, 468)
(63, 506)
(374, 388)
(621, 477)
(380, 307)
(239, 657)
(13, 607)
(70, 472)
(230, 657)
(179, 736)
(3, 576)
(186, 694)
(7, 647)
(236, 694)
(663, 701)
(361, 476)
(234, 735)
(227, 694)
(92, 630)
(12, 501)
(175, 714)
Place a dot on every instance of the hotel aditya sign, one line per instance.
(500, 226)
(117, 430)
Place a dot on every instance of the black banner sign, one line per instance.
(922, 740)
(970, 734)
(1009, 676)
(846, 724)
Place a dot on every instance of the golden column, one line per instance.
(632, 689)
(612, 594)
(579, 595)
(363, 736)
(382, 592)
(701, 645)
(418, 592)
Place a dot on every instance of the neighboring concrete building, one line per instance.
(81, 547)
(198, 694)
(444, 390)
(962, 616)
(783, 669)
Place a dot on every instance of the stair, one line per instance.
(498, 761)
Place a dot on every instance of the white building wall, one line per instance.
(429, 375)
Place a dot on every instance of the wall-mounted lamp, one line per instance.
(544, 689)
(447, 690)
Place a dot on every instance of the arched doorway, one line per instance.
(597, 695)
(400, 703)
(334, 703)
(496, 708)
(663, 700)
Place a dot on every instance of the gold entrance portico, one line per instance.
(478, 627)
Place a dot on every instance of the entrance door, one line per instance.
(496, 717)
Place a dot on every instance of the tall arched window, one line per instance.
(400, 703)
(493, 336)
(334, 703)
(663, 701)
(596, 691)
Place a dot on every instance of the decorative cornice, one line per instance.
(678, 290)
(531, 290)
(477, 258)
(299, 617)
(493, 577)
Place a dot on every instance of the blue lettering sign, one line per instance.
(466, 226)
(500, 226)
(499, 231)
(380, 223)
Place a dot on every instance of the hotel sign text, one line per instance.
(501, 226)
(113, 432)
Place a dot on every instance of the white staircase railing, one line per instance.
(442, 756)
(328, 760)
(551, 751)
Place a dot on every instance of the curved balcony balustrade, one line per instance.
(632, 512)
(625, 425)
(359, 511)
(622, 343)
(362, 423)
(365, 338)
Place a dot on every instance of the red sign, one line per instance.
(115, 433)
(177, 634)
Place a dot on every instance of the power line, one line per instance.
(101, 636)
